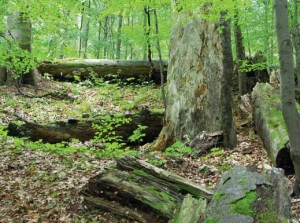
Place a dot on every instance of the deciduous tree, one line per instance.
(287, 85)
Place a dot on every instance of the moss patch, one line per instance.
(218, 196)
(244, 206)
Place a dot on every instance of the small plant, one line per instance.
(138, 134)
(106, 134)
(177, 150)
(216, 151)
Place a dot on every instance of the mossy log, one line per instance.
(83, 129)
(269, 123)
(244, 195)
(67, 69)
(145, 194)
(131, 164)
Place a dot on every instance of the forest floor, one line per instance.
(42, 183)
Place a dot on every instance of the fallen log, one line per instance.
(245, 196)
(83, 129)
(131, 164)
(122, 69)
(146, 193)
(268, 119)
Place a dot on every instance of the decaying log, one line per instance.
(146, 193)
(67, 69)
(204, 142)
(268, 119)
(190, 211)
(131, 163)
(83, 130)
(245, 196)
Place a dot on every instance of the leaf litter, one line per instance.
(40, 186)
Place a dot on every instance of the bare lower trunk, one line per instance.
(2, 75)
(228, 128)
(240, 54)
(287, 85)
(19, 30)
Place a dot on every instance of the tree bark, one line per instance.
(240, 54)
(296, 40)
(244, 195)
(148, 193)
(190, 210)
(119, 41)
(268, 119)
(19, 31)
(287, 85)
(195, 75)
(83, 130)
(227, 124)
(103, 68)
(131, 163)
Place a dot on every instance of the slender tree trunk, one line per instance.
(112, 42)
(147, 11)
(80, 27)
(240, 54)
(296, 40)
(99, 40)
(145, 31)
(86, 28)
(227, 125)
(287, 86)
(105, 37)
(119, 42)
(2, 75)
(160, 62)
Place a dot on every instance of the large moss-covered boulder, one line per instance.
(244, 195)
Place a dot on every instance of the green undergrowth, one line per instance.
(88, 98)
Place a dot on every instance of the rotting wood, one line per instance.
(151, 192)
(204, 142)
(123, 69)
(190, 211)
(83, 130)
(268, 119)
(131, 163)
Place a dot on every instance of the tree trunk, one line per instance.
(19, 31)
(2, 75)
(296, 41)
(240, 54)
(86, 28)
(287, 85)
(105, 37)
(194, 84)
(247, 196)
(119, 41)
(83, 130)
(122, 69)
(227, 124)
